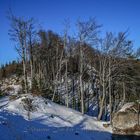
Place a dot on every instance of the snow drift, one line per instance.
(47, 120)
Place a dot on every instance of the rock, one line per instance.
(106, 125)
(127, 119)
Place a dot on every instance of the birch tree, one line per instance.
(18, 33)
(87, 32)
(32, 37)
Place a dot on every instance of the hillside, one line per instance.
(46, 120)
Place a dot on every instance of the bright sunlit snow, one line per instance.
(47, 121)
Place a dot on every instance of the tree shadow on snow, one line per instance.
(15, 127)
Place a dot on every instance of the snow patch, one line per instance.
(126, 106)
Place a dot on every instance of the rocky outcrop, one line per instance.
(11, 85)
(127, 120)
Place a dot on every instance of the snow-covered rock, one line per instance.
(127, 118)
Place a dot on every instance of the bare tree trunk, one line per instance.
(124, 93)
(66, 62)
(74, 106)
(103, 97)
(56, 77)
(138, 113)
(24, 70)
(31, 67)
(67, 103)
(110, 95)
(31, 62)
(105, 108)
(81, 83)
(40, 76)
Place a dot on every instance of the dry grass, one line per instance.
(13, 97)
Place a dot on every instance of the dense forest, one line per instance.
(77, 70)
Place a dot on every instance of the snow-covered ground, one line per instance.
(47, 121)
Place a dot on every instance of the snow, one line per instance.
(16, 88)
(4, 101)
(47, 121)
(126, 106)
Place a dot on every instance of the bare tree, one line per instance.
(66, 28)
(32, 37)
(87, 32)
(18, 33)
(112, 57)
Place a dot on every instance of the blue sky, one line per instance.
(115, 15)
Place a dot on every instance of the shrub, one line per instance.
(28, 104)
(35, 89)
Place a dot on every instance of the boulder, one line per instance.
(127, 119)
